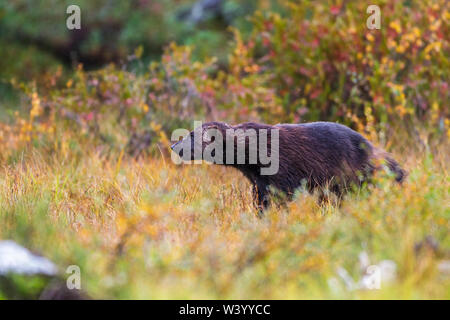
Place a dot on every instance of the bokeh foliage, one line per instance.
(313, 61)
(86, 174)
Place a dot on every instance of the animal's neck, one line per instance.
(251, 172)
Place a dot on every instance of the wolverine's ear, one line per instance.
(210, 130)
(211, 126)
(218, 125)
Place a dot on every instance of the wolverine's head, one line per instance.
(248, 144)
(202, 143)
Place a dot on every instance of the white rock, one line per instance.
(17, 259)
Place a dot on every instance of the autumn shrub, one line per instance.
(141, 227)
(326, 64)
(316, 61)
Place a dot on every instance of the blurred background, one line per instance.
(86, 118)
(36, 43)
(164, 62)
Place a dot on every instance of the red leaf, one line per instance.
(305, 71)
(335, 10)
(315, 93)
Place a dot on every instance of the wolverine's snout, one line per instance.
(178, 152)
(173, 146)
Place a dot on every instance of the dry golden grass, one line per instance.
(151, 229)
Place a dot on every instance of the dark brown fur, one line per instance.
(319, 155)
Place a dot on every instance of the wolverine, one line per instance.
(317, 155)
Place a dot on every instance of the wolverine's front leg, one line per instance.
(260, 198)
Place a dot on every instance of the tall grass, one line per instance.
(150, 229)
(71, 190)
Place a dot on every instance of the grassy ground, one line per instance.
(151, 229)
